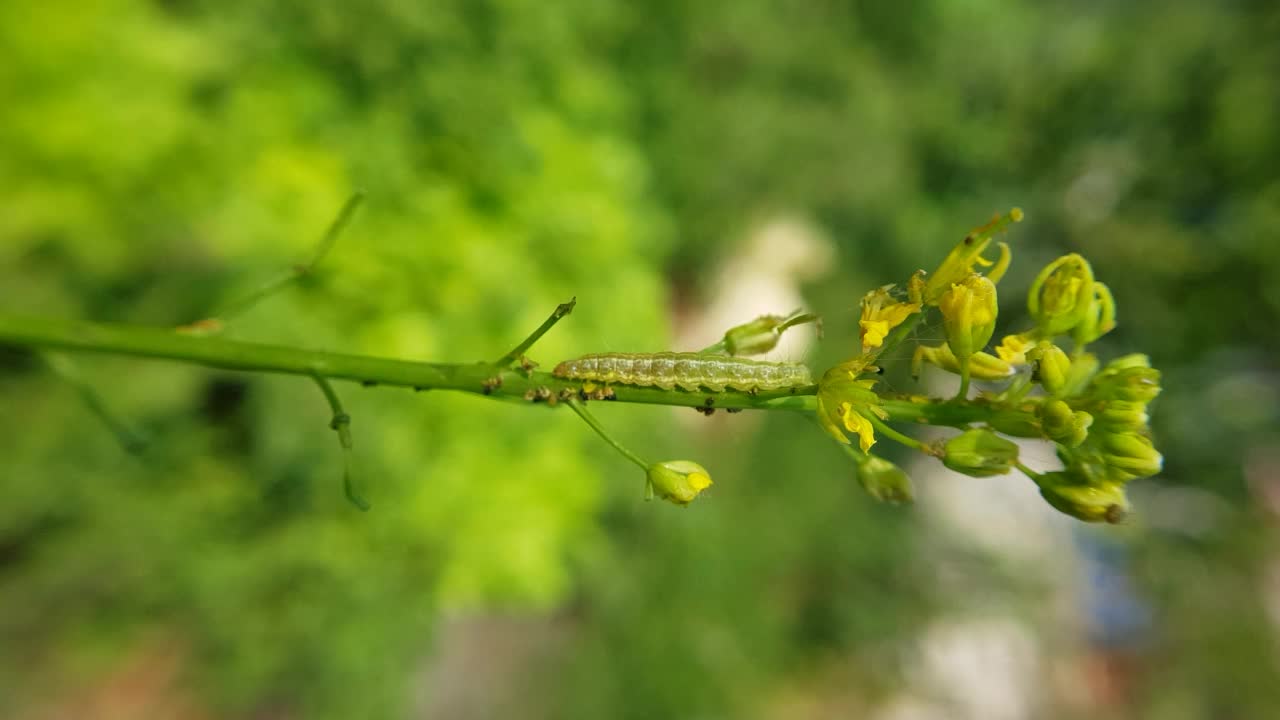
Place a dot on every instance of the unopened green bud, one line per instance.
(1120, 415)
(916, 287)
(1130, 455)
(1061, 295)
(980, 453)
(1130, 379)
(1017, 424)
(762, 334)
(1104, 502)
(679, 481)
(883, 480)
(1063, 425)
(982, 366)
(1052, 367)
(969, 312)
(1099, 319)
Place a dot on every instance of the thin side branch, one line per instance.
(216, 323)
(62, 366)
(580, 408)
(561, 310)
(341, 423)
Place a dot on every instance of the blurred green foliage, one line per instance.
(161, 158)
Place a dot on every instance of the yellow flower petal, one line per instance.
(1013, 349)
(873, 332)
(858, 424)
(880, 314)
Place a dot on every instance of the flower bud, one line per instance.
(1062, 425)
(1132, 360)
(679, 481)
(1104, 502)
(1120, 415)
(1130, 456)
(969, 315)
(762, 334)
(980, 453)
(883, 480)
(916, 287)
(1052, 367)
(1129, 379)
(1134, 385)
(982, 366)
(1061, 295)
(1016, 424)
(1099, 319)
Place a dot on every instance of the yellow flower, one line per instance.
(856, 423)
(880, 314)
(1013, 349)
(845, 401)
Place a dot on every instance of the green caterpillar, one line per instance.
(688, 371)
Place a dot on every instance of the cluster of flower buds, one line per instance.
(1096, 416)
(1116, 447)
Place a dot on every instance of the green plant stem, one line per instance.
(896, 436)
(963, 392)
(590, 419)
(1029, 472)
(900, 333)
(63, 367)
(561, 310)
(217, 352)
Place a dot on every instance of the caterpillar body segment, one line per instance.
(685, 370)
